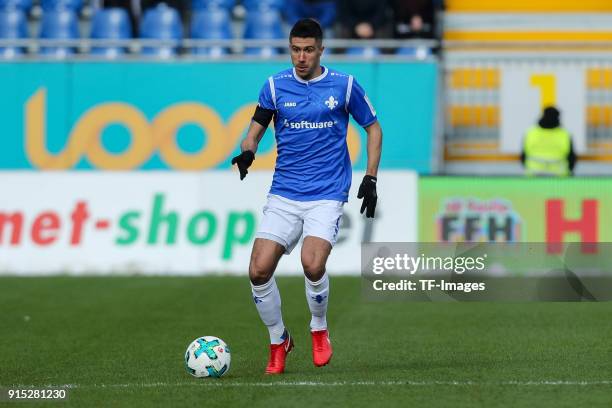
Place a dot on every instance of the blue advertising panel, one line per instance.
(187, 115)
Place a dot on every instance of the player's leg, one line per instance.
(315, 252)
(321, 224)
(278, 233)
(264, 258)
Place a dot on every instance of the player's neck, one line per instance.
(317, 72)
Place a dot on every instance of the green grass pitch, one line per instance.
(119, 341)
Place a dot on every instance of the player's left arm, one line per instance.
(374, 132)
(359, 106)
(367, 189)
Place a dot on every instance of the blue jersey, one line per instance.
(310, 123)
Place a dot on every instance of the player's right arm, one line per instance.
(257, 128)
(261, 119)
(264, 112)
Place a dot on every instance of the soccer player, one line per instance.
(310, 105)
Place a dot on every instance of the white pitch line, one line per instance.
(224, 383)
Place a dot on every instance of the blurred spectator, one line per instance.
(548, 148)
(363, 19)
(413, 18)
(324, 11)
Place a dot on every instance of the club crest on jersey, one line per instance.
(331, 103)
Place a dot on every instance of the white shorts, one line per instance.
(285, 220)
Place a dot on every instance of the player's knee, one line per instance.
(313, 268)
(260, 271)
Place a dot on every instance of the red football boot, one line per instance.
(278, 355)
(321, 348)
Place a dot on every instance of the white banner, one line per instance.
(170, 222)
(526, 90)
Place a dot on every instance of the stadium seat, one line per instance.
(211, 24)
(59, 25)
(197, 5)
(263, 25)
(252, 5)
(415, 52)
(365, 52)
(24, 5)
(49, 5)
(110, 24)
(13, 26)
(324, 12)
(161, 23)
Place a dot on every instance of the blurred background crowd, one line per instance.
(175, 20)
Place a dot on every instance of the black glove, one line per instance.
(367, 191)
(244, 161)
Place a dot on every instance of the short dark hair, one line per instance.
(307, 28)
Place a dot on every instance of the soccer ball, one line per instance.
(207, 356)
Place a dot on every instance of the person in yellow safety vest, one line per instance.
(548, 148)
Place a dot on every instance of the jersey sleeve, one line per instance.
(359, 105)
(266, 98)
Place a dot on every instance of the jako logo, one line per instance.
(309, 125)
(290, 104)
